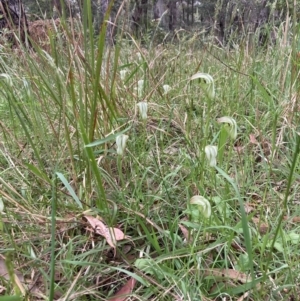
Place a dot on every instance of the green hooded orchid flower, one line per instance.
(211, 152)
(143, 108)
(203, 205)
(230, 125)
(209, 85)
(121, 144)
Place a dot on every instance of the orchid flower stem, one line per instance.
(190, 119)
(120, 171)
(143, 135)
(201, 177)
(244, 218)
(214, 177)
(222, 142)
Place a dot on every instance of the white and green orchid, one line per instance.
(209, 85)
(203, 205)
(121, 143)
(230, 125)
(143, 108)
(211, 152)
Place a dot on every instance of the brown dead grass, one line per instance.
(42, 30)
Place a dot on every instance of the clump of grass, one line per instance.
(82, 136)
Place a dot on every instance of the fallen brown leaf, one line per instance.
(185, 233)
(112, 235)
(263, 227)
(253, 139)
(248, 208)
(229, 274)
(126, 290)
(230, 277)
(239, 146)
(295, 219)
(239, 149)
(2, 289)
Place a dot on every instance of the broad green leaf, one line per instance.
(38, 172)
(70, 189)
(111, 137)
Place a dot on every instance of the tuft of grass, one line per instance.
(61, 113)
